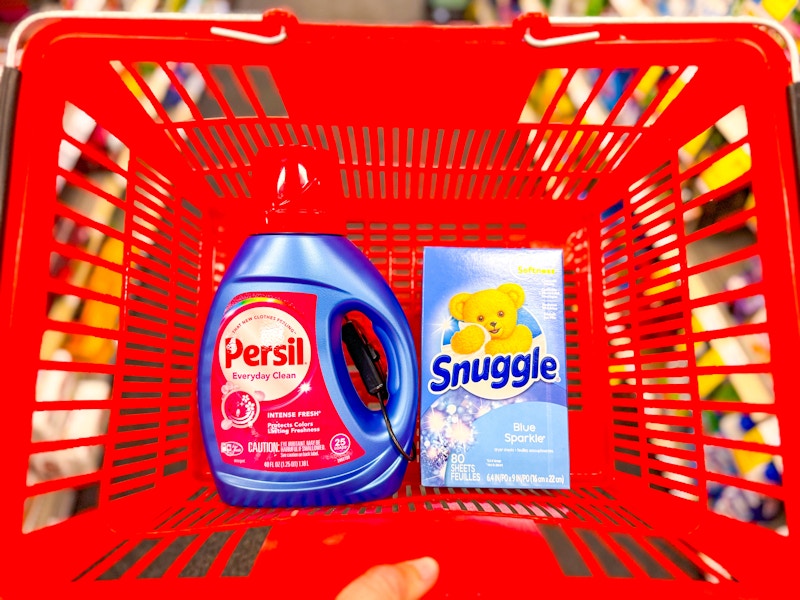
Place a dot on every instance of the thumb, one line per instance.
(409, 580)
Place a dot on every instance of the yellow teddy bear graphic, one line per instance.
(494, 311)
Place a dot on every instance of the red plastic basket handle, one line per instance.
(269, 40)
(563, 40)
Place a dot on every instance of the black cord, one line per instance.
(409, 456)
(367, 361)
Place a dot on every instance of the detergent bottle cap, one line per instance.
(296, 185)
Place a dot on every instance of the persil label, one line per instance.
(271, 407)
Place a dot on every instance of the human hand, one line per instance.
(409, 580)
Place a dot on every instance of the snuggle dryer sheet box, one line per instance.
(494, 397)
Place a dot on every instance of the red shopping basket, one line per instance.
(659, 156)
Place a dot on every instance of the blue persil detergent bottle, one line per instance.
(282, 423)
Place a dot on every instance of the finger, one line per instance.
(409, 580)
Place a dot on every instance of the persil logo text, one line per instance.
(264, 351)
(254, 355)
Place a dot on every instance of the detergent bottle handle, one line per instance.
(395, 389)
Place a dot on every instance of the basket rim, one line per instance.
(17, 34)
